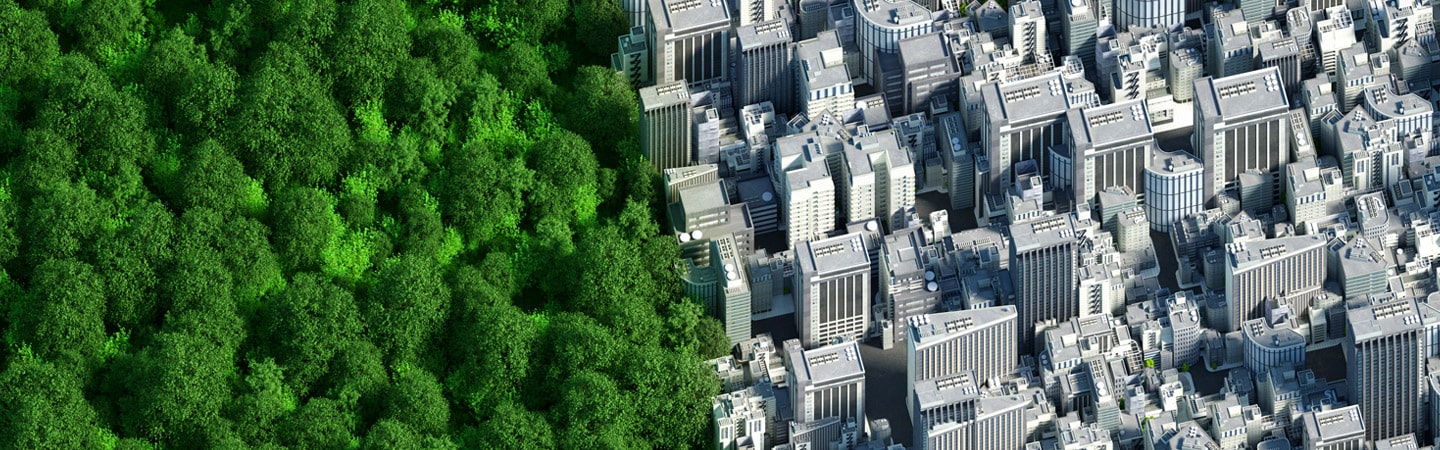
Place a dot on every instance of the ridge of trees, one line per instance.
(320, 224)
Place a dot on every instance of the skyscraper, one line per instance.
(1242, 123)
(826, 382)
(1077, 31)
(832, 290)
(1027, 29)
(1385, 366)
(950, 414)
(807, 191)
(732, 305)
(943, 345)
(665, 124)
(1109, 146)
(1288, 269)
(766, 54)
(1043, 258)
(880, 25)
(821, 78)
(689, 39)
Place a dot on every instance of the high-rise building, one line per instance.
(689, 39)
(826, 382)
(832, 290)
(1185, 66)
(1357, 70)
(880, 25)
(1043, 258)
(1242, 123)
(665, 125)
(932, 72)
(877, 179)
(1334, 31)
(909, 282)
(822, 80)
(1287, 269)
(1024, 119)
(807, 191)
(1174, 185)
(1385, 366)
(950, 414)
(954, 146)
(1161, 14)
(765, 58)
(1027, 29)
(756, 11)
(1231, 51)
(977, 341)
(633, 59)
(1077, 31)
(1334, 429)
(732, 299)
(1359, 267)
(1109, 146)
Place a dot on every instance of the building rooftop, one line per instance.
(663, 95)
(683, 15)
(830, 255)
(822, 61)
(930, 394)
(1107, 124)
(1334, 425)
(1045, 232)
(1244, 255)
(1234, 97)
(1175, 162)
(929, 328)
(1377, 320)
(1041, 96)
(892, 13)
(763, 34)
(834, 362)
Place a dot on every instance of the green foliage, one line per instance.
(321, 224)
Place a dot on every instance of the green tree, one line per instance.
(407, 306)
(45, 407)
(30, 47)
(310, 321)
(370, 42)
(305, 224)
(106, 28)
(592, 413)
(484, 193)
(594, 18)
(452, 51)
(131, 260)
(525, 70)
(286, 129)
(512, 427)
(417, 400)
(323, 423)
(602, 107)
(263, 403)
(215, 179)
(63, 316)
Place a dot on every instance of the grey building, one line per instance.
(689, 40)
(1174, 188)
(633, 59)
(1242, 123)
(1289, 269)
(1109, 146)
(1024, 119)
(832, 290)
(931, 70)
(1385, 366)
(765, 55)
(950, 414)
(1077, 30)
(1358, 266)
(1334, 429)
(826, 382)
(732, 305)
(909, 283)
(954, 146)
(665, 125)
(980, 342)
(1043, 258)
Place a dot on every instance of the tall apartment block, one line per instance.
(763, 72)
(821, 79)
(1385, 366)
(689, 39)
(1027, 30)
(1109, 146)
(807, 191)
(1185, 66)
(954, 146)
(880, 25)
(1161, 14)
(1334, 429)
(1231, 51)
(732, 300)
(832, 290)
(1290, 269)
(1242, 123)
(943, 345)
(826, 382)
(665, 125)
(909, 283)
(1043, 257)
(877, 179)
(1077, 31)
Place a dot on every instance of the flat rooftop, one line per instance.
(1334, 425)
(830, 255)
(1107, 124)
(684, 15)
(1378, 320)
(1175, 162)
(830, 363)
(1042, 233)
(763, 34)
(1233, 97)
(663, 95)
(1244, 255)
(1028, 98)
(892, 13)
(929, 328)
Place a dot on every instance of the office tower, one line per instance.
(732, 306)
(880, 25)
(1027, 29)
(826, 382)
(665, 125)
(1241, 124)
(689, 39)
(1357, 71)
(954, 146)
(1109, 145)
(976, 341)
(1284, 56)
(1359, 267)
(1186, 65)
(1272, 343)
(1287, 269)
(1161, 14)
(1174, 186)
(932, 72)
(1078, 24)
(1256, 10)
(1230, 51)
(807, 191)
(1334, 31)
(1385, 366)
(1024, 119)
(1334, 429)
(832, 290)
(1043, 258)
(951, 414)
(909, 279)
(679, 178)
(822, 80)
(756, 11)
(637, 11)
(1408, 117)
(633, 59)
(1412, 62)
(1371, 159)
(813, 17)
(877, 179)
(763, 72)
(1319, 98)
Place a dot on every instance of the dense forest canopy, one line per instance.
(323, 224)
